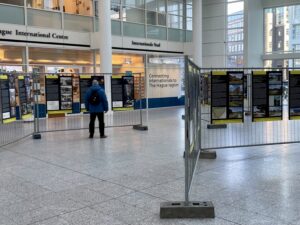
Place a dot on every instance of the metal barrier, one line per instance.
(265, 131)
(55, 102)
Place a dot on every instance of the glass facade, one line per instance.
(154, 19)
(282, 34)
(235, 34)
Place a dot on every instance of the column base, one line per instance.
(208, 155)
(36, 136)
(176, 210)
(140, 127)
(216, 126)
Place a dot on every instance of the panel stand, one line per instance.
(140, 127)
(208, 155)
(36, 136)
(176, 210)
(216, 126)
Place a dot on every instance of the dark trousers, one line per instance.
(93, 116)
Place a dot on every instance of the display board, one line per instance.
(122, 92)
(294, 95)
(66, 93)
(266, 96)
(12, 95)
(85, 82)
(24, 94)
(5, 100)
(52, 92)
(227, 97)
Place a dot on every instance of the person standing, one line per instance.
(96, 103)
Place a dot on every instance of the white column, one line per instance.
(197, 31)
(105, 44)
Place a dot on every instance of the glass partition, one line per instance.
(134, 30)
(176, 35)
(116, 27)
(156, 32)
(12, 14)
(44, 4)
(44, 18)
(78, 23)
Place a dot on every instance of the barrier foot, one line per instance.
(176, 210)
(216, 126)
(183, 117)
(208, 155)
(140, 127)
(36, 136)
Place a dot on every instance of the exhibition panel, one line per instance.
(43, 102)
(268, 106)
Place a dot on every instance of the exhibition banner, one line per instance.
(267, 96)
(24, 93)
(52, 92)
(5, 99)
(227, 97)
(122, 92)
(294, 95)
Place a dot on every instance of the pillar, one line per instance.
(197, 32)
(105, 44)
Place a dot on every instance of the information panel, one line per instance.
(227, 97)
(267, 96)
(294, 95)
(122, 92)
(52, 92)
(25, 94)
(66, 93)
(5, 102)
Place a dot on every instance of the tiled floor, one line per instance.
(68, 179)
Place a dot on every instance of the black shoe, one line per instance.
(103, 136)
(91, 136)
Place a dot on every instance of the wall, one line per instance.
(214, 24)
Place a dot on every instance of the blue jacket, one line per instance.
(102, 106)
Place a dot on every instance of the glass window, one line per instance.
(134, 15)
(43, 18)
(175, 21)
(175, 7)
(80, 7)
(43, 4)
(235, 33)
(282, 28)
(135, 3)
(115, 12)
(12, 14)
(13, 2)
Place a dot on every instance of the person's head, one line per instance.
(95, 83)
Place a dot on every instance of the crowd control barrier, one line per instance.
(33, 103)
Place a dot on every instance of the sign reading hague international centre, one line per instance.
(5, 33)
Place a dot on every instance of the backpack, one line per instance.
(94, 98)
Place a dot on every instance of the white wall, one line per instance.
(214, 24)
